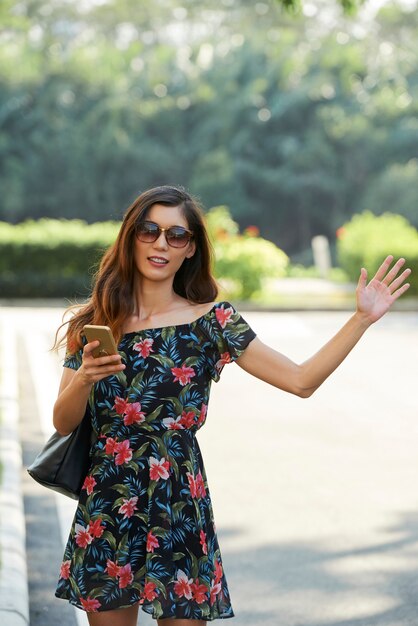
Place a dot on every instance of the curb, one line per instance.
(14, 597)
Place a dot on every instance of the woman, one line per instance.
(144, 533)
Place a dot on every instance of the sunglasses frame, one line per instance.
(163, 230)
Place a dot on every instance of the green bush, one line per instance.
(242, 262)
(51, 258)
(56, 258)
(367, 239)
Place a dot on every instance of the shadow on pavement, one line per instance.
(295, 585)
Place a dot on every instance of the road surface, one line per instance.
(315, 499)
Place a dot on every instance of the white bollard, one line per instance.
(321, 255)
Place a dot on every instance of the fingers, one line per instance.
(393, 272)
(387, 280)
(89, 347)
(395, 284)
(100, 360)
(380, 274)
(362, 279)
(400, 291)
(97, 368)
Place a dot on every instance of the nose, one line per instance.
(161, 242)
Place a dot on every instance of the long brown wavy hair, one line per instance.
(112, 298)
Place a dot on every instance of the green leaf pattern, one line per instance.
(144, 529)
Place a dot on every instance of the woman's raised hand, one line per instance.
(374, 299)
(94, 369)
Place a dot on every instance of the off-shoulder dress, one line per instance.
(144, 530)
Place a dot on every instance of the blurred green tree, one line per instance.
(293, 123)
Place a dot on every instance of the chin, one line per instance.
(156, 275)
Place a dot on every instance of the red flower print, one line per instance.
(202, 416)
(192, 485)
(95, 528)
(215, 588)
(128, 507)
(125, 576)
(144, 347)
(199, 591)
(223, 315)
(182, 585)
(197, 487)
(83, 537)
(150, 591)
(218, 571)
(152, 542)
(158, 468)
(225, 358)
(124, 452)
(173, 424)
(203, 542)
(133, 414)
(183, 374)
(110, 445)
(65, 569)
(90, 605)
(112, 569)
(187, 419)
(120, 405)
(89, 484)
(200, 486)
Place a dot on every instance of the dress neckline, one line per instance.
(192, 323)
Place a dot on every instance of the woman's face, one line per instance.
(158, 261)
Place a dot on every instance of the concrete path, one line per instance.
(14, 600)
(315, 500)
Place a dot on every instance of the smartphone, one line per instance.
(104, 335)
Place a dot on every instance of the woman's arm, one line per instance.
(75, 387)
(302, 380)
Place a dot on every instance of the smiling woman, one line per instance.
(119, 280)
(162, 246)
(144, 531)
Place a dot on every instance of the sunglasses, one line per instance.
(176, 236)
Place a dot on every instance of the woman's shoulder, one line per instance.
(222, 315)
(214, 309)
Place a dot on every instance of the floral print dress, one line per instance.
(144, 531)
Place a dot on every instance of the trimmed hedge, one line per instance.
(51, 258)
(367, 239)
(57, 258)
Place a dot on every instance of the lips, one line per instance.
(157, 260)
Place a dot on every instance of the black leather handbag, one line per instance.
(64, 461)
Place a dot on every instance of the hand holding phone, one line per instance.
(103, 334)
(102, 360)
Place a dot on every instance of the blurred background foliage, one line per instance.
(57, 258)
(242, 261)
(50, 257)
(295, 115)
(367, 239)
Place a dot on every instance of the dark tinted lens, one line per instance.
(148, 232)
(177, 236)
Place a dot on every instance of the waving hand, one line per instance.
(374, 299)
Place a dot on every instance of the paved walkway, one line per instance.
(315, 500)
